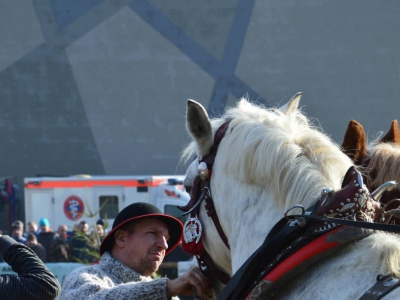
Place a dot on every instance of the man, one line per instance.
(33, 282)
(82, 244)
(46, 235)
(31, 227)
(131, 252)
(59, 249)
(98, 234)
(17, 232)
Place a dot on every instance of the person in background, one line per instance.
(18, 231)
(98, 233)
(100, 230)
(33, 280)
(31, 227)
(131, 252)
(82, 243)
(59, 249)
(100, 222)
(45, 235)
(36, 247)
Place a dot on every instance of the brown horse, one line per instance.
(379, 160)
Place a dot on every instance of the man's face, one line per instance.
(146, 245)
(32, 228)
(100, 229)
(62, 231)
(44, 228)
(84, 227)
(17, 232)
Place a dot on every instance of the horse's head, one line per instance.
(379, 159)
(268, 161)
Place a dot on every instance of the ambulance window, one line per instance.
(109, 207)
(176, 212)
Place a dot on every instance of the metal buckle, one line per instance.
(296, 220)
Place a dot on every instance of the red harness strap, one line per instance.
(317, 246)
(297, 262)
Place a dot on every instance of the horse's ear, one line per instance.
(355, 142)
(393, 135)
(199, 126)
(292, 105)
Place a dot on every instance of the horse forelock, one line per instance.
(384, 163)
(284, 153)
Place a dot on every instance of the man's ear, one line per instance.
(120, 238)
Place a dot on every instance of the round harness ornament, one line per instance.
(192, 230)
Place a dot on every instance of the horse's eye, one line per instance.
(188, 189)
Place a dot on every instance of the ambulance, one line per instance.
(70, 200)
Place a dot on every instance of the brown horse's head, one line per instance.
(379, 161)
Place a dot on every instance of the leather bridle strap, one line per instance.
(219, 135)
(209, 160)
(201, 191)
(359, 224)
(383, 286)
(213, 215)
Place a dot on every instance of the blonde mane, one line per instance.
(284, 153)
(385, 159)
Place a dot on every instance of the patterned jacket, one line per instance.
(111, 280)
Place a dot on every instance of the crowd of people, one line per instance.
(76, 245)
(133, 250)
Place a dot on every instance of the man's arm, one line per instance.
(85, 282)
(33, 282)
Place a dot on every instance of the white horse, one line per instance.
(268, 161)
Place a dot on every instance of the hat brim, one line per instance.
(175, 229)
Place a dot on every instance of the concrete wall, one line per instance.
(100, 87)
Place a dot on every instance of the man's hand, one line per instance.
(190, 283)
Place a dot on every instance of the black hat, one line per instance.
(140, 210)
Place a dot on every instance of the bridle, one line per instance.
(351, 207)
(201, 191)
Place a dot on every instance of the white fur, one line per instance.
(268, 161)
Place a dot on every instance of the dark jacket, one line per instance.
(81, 246)
(33, 282)
(45, 239)
(40, 252)
(59, 250)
